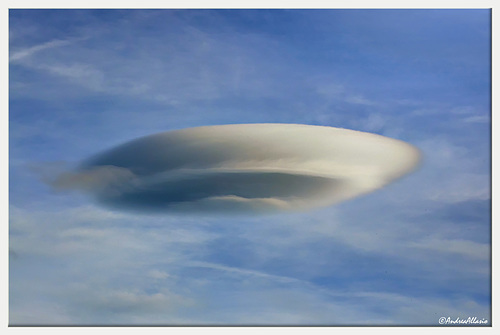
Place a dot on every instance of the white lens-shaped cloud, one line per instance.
(243, 168)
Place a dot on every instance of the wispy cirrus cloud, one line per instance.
(23, 54)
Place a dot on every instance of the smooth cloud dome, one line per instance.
(242, 168)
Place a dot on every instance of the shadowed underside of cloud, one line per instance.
(242, 168)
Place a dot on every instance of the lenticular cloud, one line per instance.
(242, 168)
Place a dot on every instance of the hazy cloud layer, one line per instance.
(235, 168)
(117, 269)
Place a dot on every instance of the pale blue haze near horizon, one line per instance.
(82, 81)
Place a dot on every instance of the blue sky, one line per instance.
(82, 81)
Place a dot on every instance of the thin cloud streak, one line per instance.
(19, 55)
